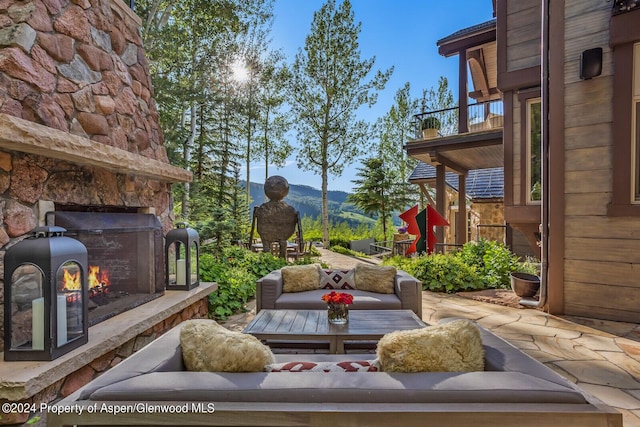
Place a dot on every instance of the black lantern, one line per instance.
(182, 250)
(45, 296)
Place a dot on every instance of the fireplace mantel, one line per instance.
(28, 137)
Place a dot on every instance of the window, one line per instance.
(534, 151)
(625, 45)
(636, 123)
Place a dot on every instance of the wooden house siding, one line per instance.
(601, 253)
(523, 34)
(594, 256)
(517, 151)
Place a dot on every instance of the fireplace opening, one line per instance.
(125, 259)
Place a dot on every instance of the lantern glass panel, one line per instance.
(27, 306)
(176, 260)
(69, 302)
(193, 262)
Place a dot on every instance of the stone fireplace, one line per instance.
(80, 133)
(80, 127)
(124, 257)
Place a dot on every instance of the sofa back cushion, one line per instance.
(337, 279)
(209, 347)
(375, 278)
(300, 278)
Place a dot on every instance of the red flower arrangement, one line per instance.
(337, 298)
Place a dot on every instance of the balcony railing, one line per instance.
(481, 116)
(622, 6)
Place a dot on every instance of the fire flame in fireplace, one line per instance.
(97, 280)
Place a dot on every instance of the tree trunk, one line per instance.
(325, 209)
(187, 159)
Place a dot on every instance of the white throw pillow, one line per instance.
(375, 278)
(209, 347)
(300, 278)
(455, 346)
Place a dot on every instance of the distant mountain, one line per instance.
(308, 201)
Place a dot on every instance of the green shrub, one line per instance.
(344, 251)
(493, 261)
(431, 122)
(485, 264)
(336, 241)
(440, 272)
(235, 287)
(235, 272)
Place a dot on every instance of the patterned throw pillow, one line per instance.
(337, 279)
(352, 366)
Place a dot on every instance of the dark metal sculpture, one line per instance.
(276, 220)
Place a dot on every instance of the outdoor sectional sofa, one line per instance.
(152, 387)
(406, 292)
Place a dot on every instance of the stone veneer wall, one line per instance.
(85, 374)
(488, 213)
(79, 67)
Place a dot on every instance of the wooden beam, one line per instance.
(461, 223)
(440, 159)
(463, 94)
(424, 190)
(441, 197)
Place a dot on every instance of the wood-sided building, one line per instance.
(568, 73)
(586, 80)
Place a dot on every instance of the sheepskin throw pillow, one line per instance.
(455, 346)
(337, 279)
(300, 278)
(375, 278)
(209, 347)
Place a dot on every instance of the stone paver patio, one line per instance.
(602, 358)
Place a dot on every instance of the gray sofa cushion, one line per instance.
(354, 387)
(363, 300)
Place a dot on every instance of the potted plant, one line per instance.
(430, 127)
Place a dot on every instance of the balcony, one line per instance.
(467, 140)
(481, 116)
(622, 6)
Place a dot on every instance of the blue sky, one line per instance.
(399, 33)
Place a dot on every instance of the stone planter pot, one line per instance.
(525, 285)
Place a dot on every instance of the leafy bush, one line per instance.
(336, 241)
(235, 287)
(344, 251)
(493, 260)
(235, 272)
(440, 272)
(485, 264)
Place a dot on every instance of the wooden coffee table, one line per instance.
(313, 326)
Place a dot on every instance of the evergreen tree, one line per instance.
(394, 129)
(329, 83)
(375, 192)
